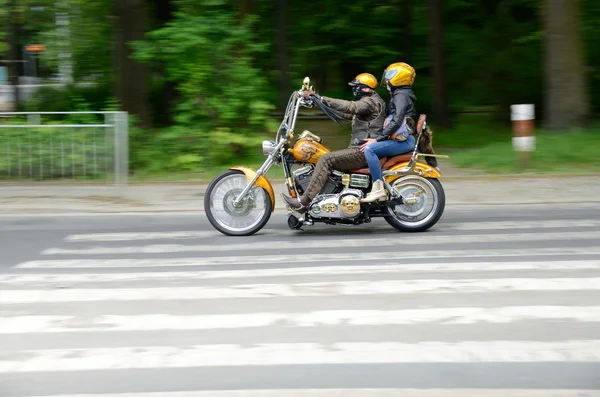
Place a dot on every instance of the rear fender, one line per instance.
(260, 182)
(420, 168)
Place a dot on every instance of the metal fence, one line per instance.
(64, 147)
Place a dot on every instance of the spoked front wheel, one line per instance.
(248, 217)
(423, 207)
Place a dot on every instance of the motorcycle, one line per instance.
(240, 201)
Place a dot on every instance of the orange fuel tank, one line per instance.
(308, 151)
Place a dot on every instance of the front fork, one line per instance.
(264, 168)
(261, 171)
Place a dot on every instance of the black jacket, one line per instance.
(402, 104)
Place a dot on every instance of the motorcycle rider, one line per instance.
(367, 114)
(397, 136)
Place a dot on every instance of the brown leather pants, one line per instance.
(341, 160)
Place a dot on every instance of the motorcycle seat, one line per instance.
(386, 163)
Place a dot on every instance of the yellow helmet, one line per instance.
(398, 74)
(366, 79)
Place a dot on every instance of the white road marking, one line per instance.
(156, 322)
(372, 243)
(341, 288)
(308, 258)
(522, 224)
(300, 353)
(12, 279)
(137, 236)
(192, 234)
(360, 393)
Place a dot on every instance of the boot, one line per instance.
(377, 193)
(298, 204)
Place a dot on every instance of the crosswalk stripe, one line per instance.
(523, 224)
(475, 392)
(302, 353)
(18, 279)
(136, 236)
(154, 322)
(308, 258)
(463, 226)
(340, 288)
(328, 243)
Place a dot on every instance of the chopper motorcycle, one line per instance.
(240, 201)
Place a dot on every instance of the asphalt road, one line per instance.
(490, 299)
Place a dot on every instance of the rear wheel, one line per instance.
(424, 205)
(252, 213)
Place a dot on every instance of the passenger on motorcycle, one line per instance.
(367, 114)
(397, 136)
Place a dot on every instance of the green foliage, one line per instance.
(228, 146)
(72, 98)
(209, 56)
(171, 149)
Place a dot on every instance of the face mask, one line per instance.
(359, 93)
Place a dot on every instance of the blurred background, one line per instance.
(204, 81)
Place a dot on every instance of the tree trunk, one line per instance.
(566, 97)
(436, 50)
(13, 54)
(132, 77)
(246, 7)
(282, 53)
(164, 10)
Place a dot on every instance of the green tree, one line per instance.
(208, 53)
(218, 85)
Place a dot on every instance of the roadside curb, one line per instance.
(204, 182)
(467, 178)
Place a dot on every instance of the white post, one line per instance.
(523, 122)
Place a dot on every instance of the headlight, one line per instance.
(268, 147)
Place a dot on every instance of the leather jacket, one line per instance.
(402, 104)
(367, 115)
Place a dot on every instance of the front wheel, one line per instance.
(252, 213)
(424, 205)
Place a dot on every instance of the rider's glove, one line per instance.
(307, 94)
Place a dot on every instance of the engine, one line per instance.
(342, 205)
(335, 201)
(302, 178)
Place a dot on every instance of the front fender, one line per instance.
(260, 182)
(422, 169)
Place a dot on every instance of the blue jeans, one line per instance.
(387, 148)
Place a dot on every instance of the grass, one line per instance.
(568, 153)
(481, 144)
